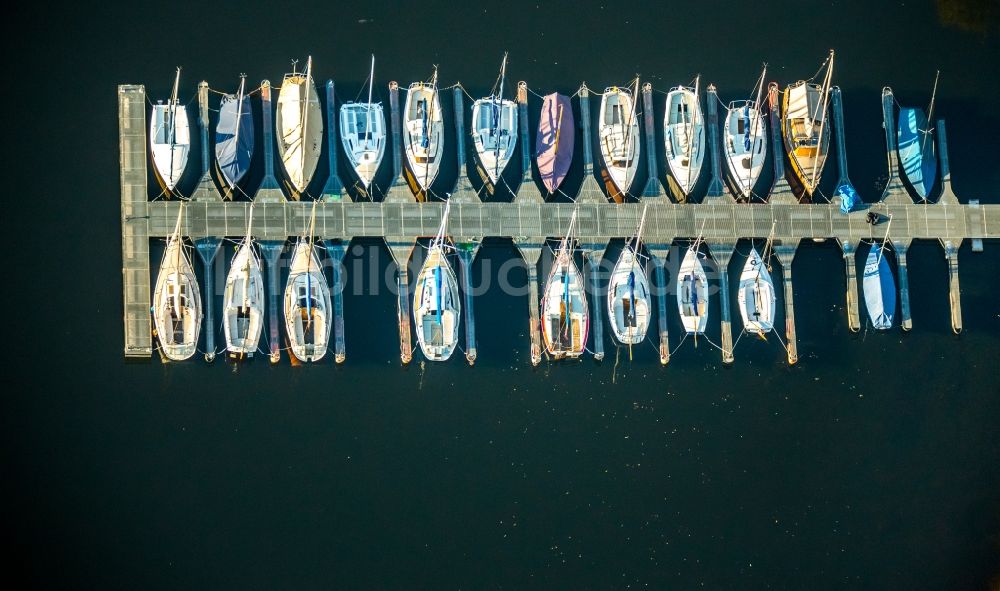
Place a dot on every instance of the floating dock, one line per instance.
(529, 221)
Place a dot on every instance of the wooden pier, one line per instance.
(529, 221)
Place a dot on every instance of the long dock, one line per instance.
(529, 222)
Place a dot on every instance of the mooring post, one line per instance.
(894, 192)
(206, 190)
(786, 254)
(658, 255)
(901, 247)
(527, 191)
(781, 191)
(853, 318)
(954, 293)
(593, 253)
(843, 178)
(722, 253)
(948, 196)
(590, 191)
(715, 186)
(653, 189)
(269, 191)
(463, 192)
(333, 189)
(336, 249)
(401, 249)
(208, 248)
(271, 251)
(531, 250)
(398, 190)
(466, 255)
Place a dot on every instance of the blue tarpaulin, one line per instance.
(848, 198)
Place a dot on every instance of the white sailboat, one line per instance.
(618, 133)
(170, 139)
(565, 316)
(437, 306)
(756, 295)
(243, 299)
(692, 291)
(177, 311)
(307, 300)
(423, 132)
(628, 293)
(362, 133)
(803, 124)
(494, 129)
(300, 128)
(684, 135)
(745, 141)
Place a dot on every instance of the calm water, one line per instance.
(873, 463)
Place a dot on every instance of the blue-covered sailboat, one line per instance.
(879, 285)
(234, 137)
(917, 156)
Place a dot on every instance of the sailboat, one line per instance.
(177, 309)
(879, 285)
(300, 128)
(565, 317)
(494, 129)
(362, 132)
(684, 135)
(803, 128)
(307, 300)
(234, 137)
(423, 133)
(618, 133)
(554, 141)
(437, 307)
(692, 291)
(243, 299)
(756, 295)
(745, 141)
(916, 147)
(628, 293)
(170, 139)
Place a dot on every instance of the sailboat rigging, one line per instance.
(494, 129)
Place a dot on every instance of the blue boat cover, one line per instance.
(848, 198)
(234, 139)
(916, 151)
(746, 128)
(880, 289)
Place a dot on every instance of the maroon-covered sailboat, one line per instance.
(554, 143)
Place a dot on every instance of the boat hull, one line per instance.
(243, 303)
(692, 293)
(177, 309)
(565, 316)
(362, 134)
(801, 131)
(234, 139)
(169, 143)
(879, 287)
(555, 140)
(756, 296)
(437, 307)
(684, 138)
(618, 134)
(629, 299)
(307, 305)
(745, 143)
(916, 151)
(298, 148)
(423, 134)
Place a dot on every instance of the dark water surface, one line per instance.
(873, 463)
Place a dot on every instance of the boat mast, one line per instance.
(427, 131)
(822, 126)
(246, 267)
(755, 124)
(628, 128)
(177, 262)
(239, 119)
(930, 114)
(368, 111)
(498, 109)
(312, 228)
(689, 129)
(884, 240)
(306, 87)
